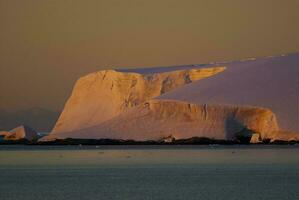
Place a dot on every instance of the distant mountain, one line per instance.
(40, 119)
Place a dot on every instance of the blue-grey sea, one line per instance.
(149, 172)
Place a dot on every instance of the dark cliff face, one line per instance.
(40, 119)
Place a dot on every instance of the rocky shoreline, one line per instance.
(189, 141)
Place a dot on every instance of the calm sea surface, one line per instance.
(149, 172)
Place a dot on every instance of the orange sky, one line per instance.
(46, 45)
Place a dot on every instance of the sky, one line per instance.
(46, 45)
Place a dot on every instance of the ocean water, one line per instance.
(149, 172)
